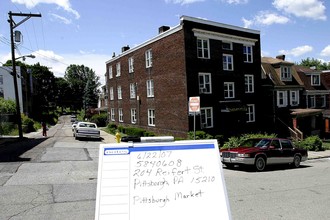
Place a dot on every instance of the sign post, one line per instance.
(194, 107)
(164, 180)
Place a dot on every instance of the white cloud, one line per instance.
(326, 51)
(61, 19)
(183, 2)
(313, 9)
(265, 18)
(65, 4)
(298, 51)
(236, 2)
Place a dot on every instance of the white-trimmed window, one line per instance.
(148, 56)
(249, 83)
(207, 117)
(294, 97)
(118, 71)
(120, 115)
(150, 88)
(203, 48)
(133, 115)
(311, 101)
(111, 93)
(247, 52)
(132, 89)
(227, 62)
(119, 92)
(112, 114)
(286, 73)
(205, 83)
(323, 101)
(315, 80)
(227, 45)
(282, 98)
(229, 90)
(110, 72)
(151, 117)
(131, 65)
(250, 113)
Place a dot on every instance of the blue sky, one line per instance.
(89, 31)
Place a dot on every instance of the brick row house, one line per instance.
(149, 85)
(296, 96)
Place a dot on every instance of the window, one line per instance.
(315, 80)
(250, 113)
(229, 90)
(286, 73)
(132, 90)
(112, 114)
(286, 144)
(110, 72)
(311, 101)
(120, 96)
(118, 69)
(150, 88)
(249, 84)
(323, 101)
(227, 62)
(1, 79)
(247, 52)
(207, 117)
(131, 65)
(151, 117)
(148, 56)
(205, 83)
(111, 93)
(282, 98)
(2, 95)
(120, 114)
(294, 98)
(203, 48)
(227, 46)
(133, 115)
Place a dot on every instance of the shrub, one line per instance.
(199, 135)
(112, 128)
(27, 124)
(99, 119)
(312, 143)
(236, 141)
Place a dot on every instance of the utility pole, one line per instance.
(13, 25)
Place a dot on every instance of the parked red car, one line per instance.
(260, 152)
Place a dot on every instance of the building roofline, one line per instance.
(217, 24)
(156, 38)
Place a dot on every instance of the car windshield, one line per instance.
(263, 143)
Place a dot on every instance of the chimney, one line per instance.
(113, 54)
(281, 57)
(124, 48)
(163, 29)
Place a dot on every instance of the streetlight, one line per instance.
(25, 56)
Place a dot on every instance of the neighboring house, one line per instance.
(7, 89)
(325, 80)
(289, 94)
(102, 105)
(149, 85)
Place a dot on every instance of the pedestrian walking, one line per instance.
(44, 129)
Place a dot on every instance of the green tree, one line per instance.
(7, 106)
(318, 64)
(84, 85)
(63, 95)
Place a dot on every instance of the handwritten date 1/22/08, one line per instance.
(153, 155)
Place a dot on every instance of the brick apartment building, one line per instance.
(149, 85)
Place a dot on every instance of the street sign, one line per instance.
(194, 104)
(169, 180)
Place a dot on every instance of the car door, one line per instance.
(275, 154)
(287, 149)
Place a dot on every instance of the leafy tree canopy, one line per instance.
(312, 62)
(84, 85)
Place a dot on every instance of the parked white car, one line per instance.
(86, 130)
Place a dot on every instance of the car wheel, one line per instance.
(296, 161)
(260, 163)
